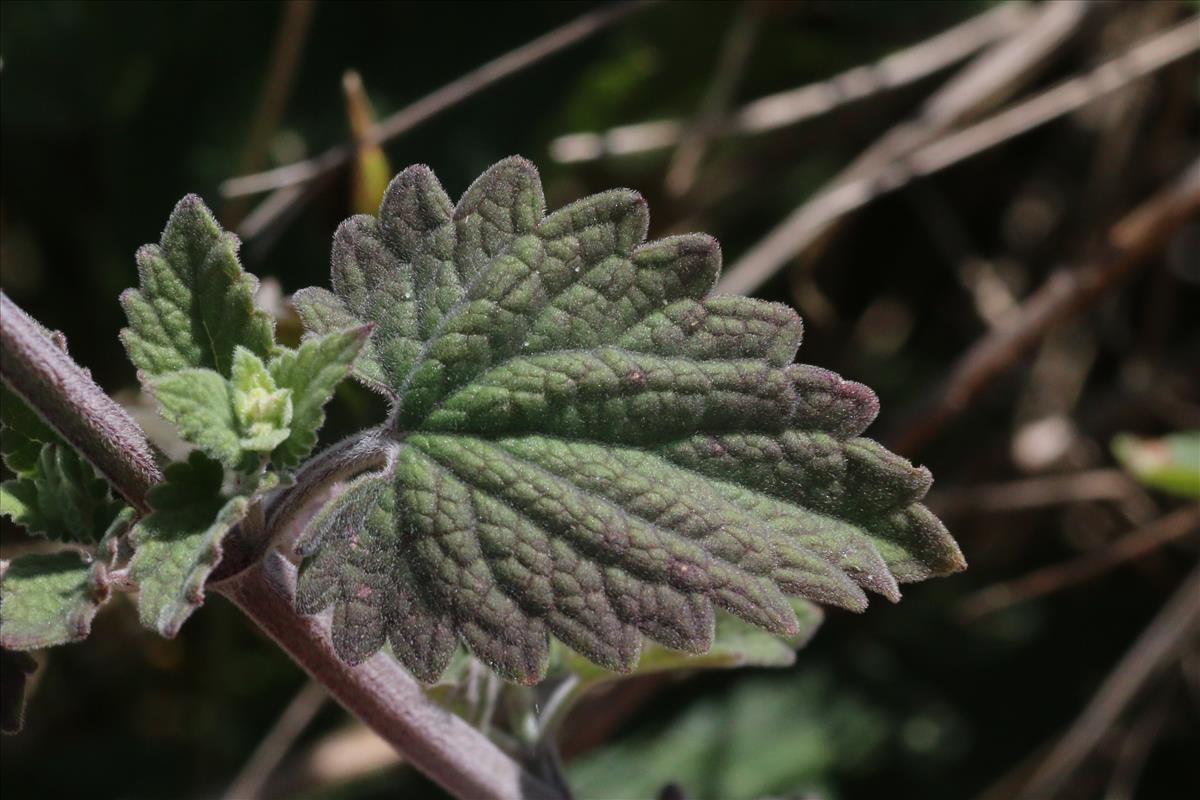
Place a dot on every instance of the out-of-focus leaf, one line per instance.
(49, 599)
(1170, 463)
(765, 737)
(22, 435)
(735, 644)
(371, 170)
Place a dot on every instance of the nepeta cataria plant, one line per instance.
(587, 458)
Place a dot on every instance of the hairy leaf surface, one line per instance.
(179, 544)
(194, 303)
(49, 599)
(588, 445)
(55, 493)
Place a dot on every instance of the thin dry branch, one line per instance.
(793, 106)
(1174, 625)
(265, 759)
(808, 223)
(277, 88)
(994, 76)
(382, 694)
(1038, 492)
(739, 42)
(437, 101)
(1169, 528)
(1129, 244)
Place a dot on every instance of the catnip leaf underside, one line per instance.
(588, 445)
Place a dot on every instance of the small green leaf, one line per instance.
(588, 445)
(15, 668)
(47, 600)
(263, 410)
(60, 497)
(179, 543)
(1169, 464)
(22, 435)
(311, 373)
(194, 303)
(198, 403)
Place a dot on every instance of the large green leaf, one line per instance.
(49, 599)
(194, 303)
(589, 446)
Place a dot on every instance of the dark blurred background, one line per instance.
(1071, 250)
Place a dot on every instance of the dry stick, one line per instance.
(1130, 244)
(267, 756)
(383, 694)
(1045, 490)
(681, 174)
(299, 181)
(1139, 741)
(807, 223)
(1158, 643)
(380, 691)
(38, 369)
(285, 59)
(343, 755)
(813, 100)
(1050, 579)
(436, 102)
(996, 74)
(991, 77)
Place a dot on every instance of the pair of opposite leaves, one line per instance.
(584, 443)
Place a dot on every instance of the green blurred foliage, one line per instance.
(760, 737)
(1170, 463)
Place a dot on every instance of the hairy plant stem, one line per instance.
(380, 692)
(38, 369)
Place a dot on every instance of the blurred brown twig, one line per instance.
(285, 182)
(1162, 639)
(858, 186)
(1129, 244)
(1176, 525)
